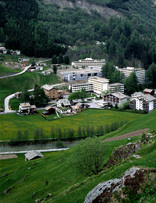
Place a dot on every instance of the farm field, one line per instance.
(11, 123)
(59, 177)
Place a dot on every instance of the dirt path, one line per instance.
(127, 135)
(8, 156)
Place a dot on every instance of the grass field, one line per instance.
(55, 175)
(11, 123)
(19, 83)
(4, 70)
(146, 121)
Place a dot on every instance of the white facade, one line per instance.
(83, 74)
(116, 87)
(143, 102)
(88, 62)
(78, 87)
(140, 73)
(99, 84)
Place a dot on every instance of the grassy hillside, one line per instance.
(11, 123)
(55, 175)
(24, 81)
(4, 70)
(146, 121)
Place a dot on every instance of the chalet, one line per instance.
(149, 91)
(33, 155)
(27, 108)
(78, 107)
(143, 102)
(24, 108)
(64, 110)
(52, 92)
(115, 98)
(3, 50)
(63, 103)
(75, 101)
(15, 52)
(50, 110)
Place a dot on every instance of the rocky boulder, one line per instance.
(103, 192)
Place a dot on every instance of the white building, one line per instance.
(140, 73)
(115, 98)
(79, 86)
(63, 103)
(99, 84)
(143, 102)
(116, 87)
(3, 50)
(83, 74)
(88, 62)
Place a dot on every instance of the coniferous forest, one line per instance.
(40, 29)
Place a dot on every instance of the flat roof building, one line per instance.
(79, 86)
(83, 74)
(88, 62)
(140, 73)
(99, 84)
(116, 87)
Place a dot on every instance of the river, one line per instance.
(39, 147)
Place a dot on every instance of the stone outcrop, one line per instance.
(103, 192)
(123, 152)
(89, 7)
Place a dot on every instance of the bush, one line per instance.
(88, 156)
(59, 144)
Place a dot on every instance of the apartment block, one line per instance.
(140, 73)
(99, 84)
(79, 86)
(116, 87)
(88, 62)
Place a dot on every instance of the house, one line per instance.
(75, 101)
(33, 155)
(115, 98)
(50, 110)
(23, 60)
(142, 102)
(63, 103)
(24, 108)
(52, 92)
(27, 108)
(15, 52)
(64, 110)
(17, 95)
(46, 72)
(79, 107)
(3, 50)
(149, 91)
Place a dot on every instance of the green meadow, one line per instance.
(11, 123)
(54, 175)
(25, 81)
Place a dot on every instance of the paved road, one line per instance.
(7, 76)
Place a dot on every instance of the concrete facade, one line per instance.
(88, 62)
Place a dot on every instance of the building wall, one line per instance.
(99, 84)
(53, 93)
(88, 62)
(78, 87)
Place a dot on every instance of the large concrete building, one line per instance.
(140, 73)
(77, 74)
(99, 84)
(88, 62)
(116, 87)
(79, 86)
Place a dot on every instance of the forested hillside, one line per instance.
(48, 27)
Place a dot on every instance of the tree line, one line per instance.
(57, 133)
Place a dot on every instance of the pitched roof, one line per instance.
(64, 102)
(119, 95)
(33, 154)
(148, 90)
(148, 97)
(25, 104)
